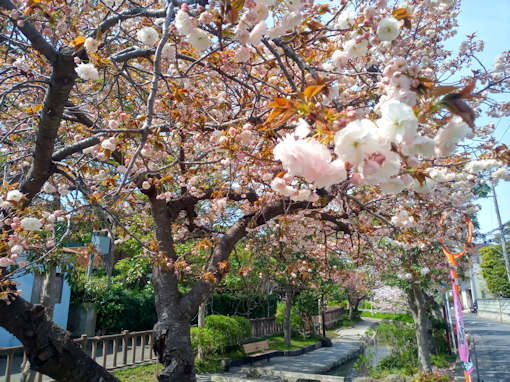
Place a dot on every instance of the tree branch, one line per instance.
(37, 40)
(61, 82)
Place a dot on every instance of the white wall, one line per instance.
(60, 314)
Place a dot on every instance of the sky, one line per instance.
(490, 20)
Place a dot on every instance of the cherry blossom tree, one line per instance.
(207, 120)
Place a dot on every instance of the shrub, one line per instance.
(120, 309)
(404, 351)
(210, 340)
(245, 326)
(229, 331)
(219, 333)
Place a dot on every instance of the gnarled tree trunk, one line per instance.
(172, 344)
(416, 301)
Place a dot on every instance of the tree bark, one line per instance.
(349, 306)
(50, 348)
(201, 323)
(287, 327)
(416, 301)
(172, 344)
(322, 324)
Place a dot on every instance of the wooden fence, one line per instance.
(331, 317)
(264, 327)
(133, 348)
(111, 351)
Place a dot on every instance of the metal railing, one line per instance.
(111, 351)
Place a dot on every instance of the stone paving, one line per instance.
(346, 346)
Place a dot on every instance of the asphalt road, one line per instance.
(490, 349)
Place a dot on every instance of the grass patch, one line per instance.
(331, 333)
(146, 373)
(390, 316)
(278, 343)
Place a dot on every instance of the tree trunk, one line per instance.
(50, 348)
(322, 329)
(436, 308)
(351, 309)
(287, 329)
(416, 301)
(356, 313)
(353, 306)
(201, 323)
(172, 344)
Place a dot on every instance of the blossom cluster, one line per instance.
(365, 150)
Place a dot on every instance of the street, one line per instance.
(490, 349)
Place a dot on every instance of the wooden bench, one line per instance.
(257, 350)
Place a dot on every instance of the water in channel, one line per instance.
(358, 367)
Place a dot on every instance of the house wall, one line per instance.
(60, 314)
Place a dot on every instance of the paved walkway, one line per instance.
(490, 349)
(345, 347)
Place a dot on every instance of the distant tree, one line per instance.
(493, 270)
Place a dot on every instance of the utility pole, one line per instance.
(501, 228)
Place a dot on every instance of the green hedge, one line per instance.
(219, 333)
(118, 307)
(126, 309)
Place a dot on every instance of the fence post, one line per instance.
(133, 345)
(115, 349)
(8, 367)
(105, 352)
(151, 342)
(94, 348)
(84, 342)
(124, 346)
(142, 341)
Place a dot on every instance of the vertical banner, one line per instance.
(462, 343)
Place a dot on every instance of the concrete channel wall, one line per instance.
(497, 309)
